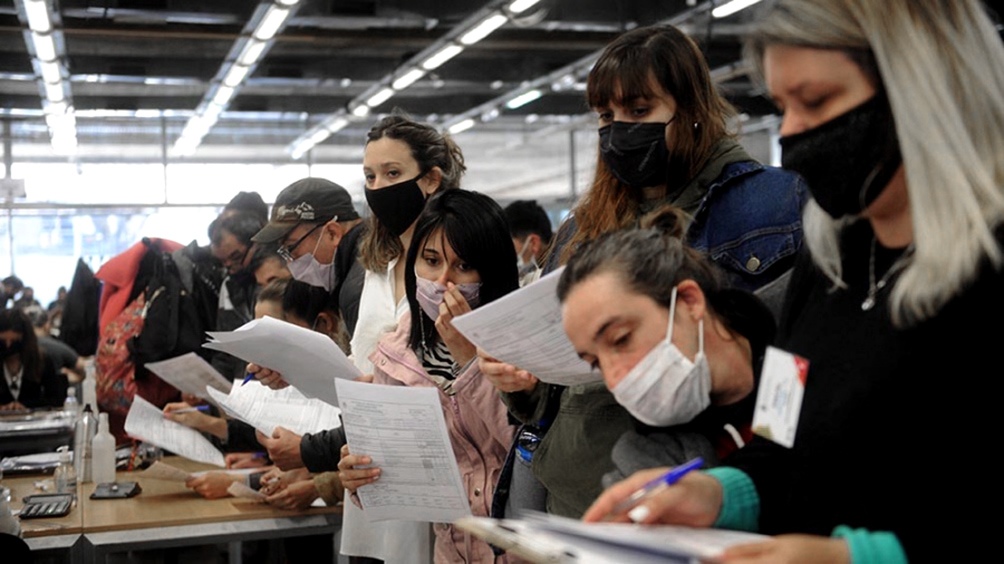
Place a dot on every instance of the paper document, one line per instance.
(265, 409)
(403, 430)
(308, 360)
(146, 422)
(524, 329)
(161, 470)
(190, 373)
(238, 489)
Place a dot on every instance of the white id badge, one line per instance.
(779, 400)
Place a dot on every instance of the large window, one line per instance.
(95, 211)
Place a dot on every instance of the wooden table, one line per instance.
(165, 514)
(59, 534)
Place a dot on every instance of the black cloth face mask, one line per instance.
(14, 348)
(636, 152)
(397, 206)
(847, 161)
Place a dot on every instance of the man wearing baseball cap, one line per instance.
(310, 218)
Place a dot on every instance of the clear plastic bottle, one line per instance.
(83, 435)
(88, 386)
(70, 405)
(65, 475)
(103, 452)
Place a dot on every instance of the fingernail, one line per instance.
(638, 514)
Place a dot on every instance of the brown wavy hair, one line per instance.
(429, 148)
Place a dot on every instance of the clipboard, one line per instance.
(509, 536)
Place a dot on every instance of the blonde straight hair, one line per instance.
(941, 64)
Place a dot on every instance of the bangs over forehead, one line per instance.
(620, 77)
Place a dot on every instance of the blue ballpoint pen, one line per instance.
(247, 378)
(202, 408)
(667, 479)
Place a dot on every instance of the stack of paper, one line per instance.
(306, 359)
(265, 409)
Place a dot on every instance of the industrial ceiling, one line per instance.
(302, 81)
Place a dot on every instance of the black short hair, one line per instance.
(527, 217)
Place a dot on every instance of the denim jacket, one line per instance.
(750, 222)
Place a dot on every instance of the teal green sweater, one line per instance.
(741, 507)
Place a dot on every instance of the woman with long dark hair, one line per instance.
(30, 380)
(461, 257)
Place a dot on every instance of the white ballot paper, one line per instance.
(403, 430)
(265, 409)
(524, 329)
(190, 373)
(147, 423)
(308, 360)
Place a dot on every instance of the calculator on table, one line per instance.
(41, 506)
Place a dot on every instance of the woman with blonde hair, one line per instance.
(893, 113)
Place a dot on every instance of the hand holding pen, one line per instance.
(653, 487)
(646, 497)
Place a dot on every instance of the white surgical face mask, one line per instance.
(308, 269)
(665, 388)
(524, 266)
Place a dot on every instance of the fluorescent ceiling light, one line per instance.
(38, 16)
(440, 57)
(270, 24)
(287, 3)
(380, 97)
(51, 71)
(319, 136)
(523, 99)
(521, 5)
(212, 112)
(54, 92)
(461, 126)
(64, 144)
(336, 125)
(61, 122)
(362, 110)
(45, 47)
(407, 79)
(236, 75)
(732, 7)
(56, 107)
(223, 95)
(251, 53)
(480, 31)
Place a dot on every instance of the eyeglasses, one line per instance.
(286, 251)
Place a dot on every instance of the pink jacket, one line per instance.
(479, 429)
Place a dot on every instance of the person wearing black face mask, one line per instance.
(893, 113)
(664, 139)
(405, 162)
(29, 379)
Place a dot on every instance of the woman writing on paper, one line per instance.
(679, 348)
(461, 257)
(907, 250)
